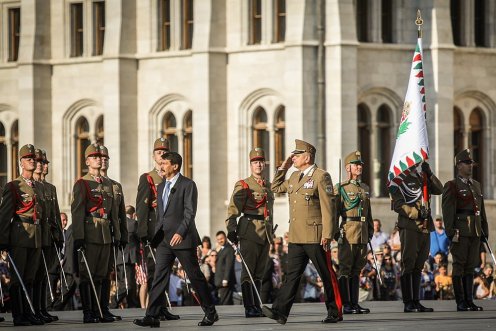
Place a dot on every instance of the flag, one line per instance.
(412, 144)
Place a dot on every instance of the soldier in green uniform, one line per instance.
(253, 201)
(146, 205)
(466, 225)
(20, 234)
(117, 244)
(49, 231)
(356, 229)
(93, 213)
(313, 224)
(415, 224)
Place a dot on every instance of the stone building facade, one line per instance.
(219, 77)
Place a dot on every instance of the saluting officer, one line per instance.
(49, 232)
(313, 224)
(118, 244)
(146, 205)
(356, 229)
(93, 213)
(20, 234)
(415, 224)
(253, 200)
(466, 225)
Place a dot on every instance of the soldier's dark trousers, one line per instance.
(255, 256)
(352, 258)
(225, 295)
(415, 247)
(465, 255)
(131, 298)
(298, 256)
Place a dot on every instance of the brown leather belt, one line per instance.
(255, 217)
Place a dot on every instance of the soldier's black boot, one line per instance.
(406, 291)
(94, 304)
(468, 286)
(85, 293)
(258, 283)
(166, 315)
(461, 303)
(26, 308)
(248, 300)
(416, 294)
(354, 290)
(16, 294)
(43, 304)
(344, 290)
(210, 316)
(105, 301)
(38, 298)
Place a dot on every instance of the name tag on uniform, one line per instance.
(308, 184)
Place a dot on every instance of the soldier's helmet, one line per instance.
(257, 154)
(27, 151)
(161, 144)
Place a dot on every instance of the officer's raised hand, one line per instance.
(287, 163)
(426, 168)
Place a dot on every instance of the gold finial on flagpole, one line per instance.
(419, 21)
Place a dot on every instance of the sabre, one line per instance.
(489, 247)
(59, 256)
(48, 275)
(22, 283)
(236, 249)
(91, 281)
(125, 273)
(376, 265)
(1, 293)
(115, 271)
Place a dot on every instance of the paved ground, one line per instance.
(384, 316)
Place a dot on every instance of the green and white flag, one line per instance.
(412, 144)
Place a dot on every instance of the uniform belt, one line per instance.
(353, 219)
(464, 212)
(255, 217)
(28, 220)
(98, 215)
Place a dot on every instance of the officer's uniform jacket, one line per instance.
(53, 211)
(312, 205)
(93, 210)
(353, 200)
(409, 212)
(46, 237)
(146, 203)
(463, 208)
(21, 212)
(255, 203)
(120, 207)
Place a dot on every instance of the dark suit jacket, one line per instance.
(68, 259)
(179, 216)
(132, 247)
(224, 267)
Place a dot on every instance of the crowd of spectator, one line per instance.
(221, 266)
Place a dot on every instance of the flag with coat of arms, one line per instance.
(412, 143)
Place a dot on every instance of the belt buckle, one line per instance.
(362, 219)
(477, 213)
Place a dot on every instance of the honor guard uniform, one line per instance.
(49, 231)
(415, 224)
(253, 200)
(466, 225)
(313, 224)
(146, 206)
(20, 235)
(93, 212)
(356, 229)
(120, 207)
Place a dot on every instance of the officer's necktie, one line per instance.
(301, 176)
(165, 195)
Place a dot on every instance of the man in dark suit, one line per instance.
(176, 236)
(130, 258)
(224, 271)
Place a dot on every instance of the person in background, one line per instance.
(427, 283)
(225, 280)
(444, 284)
(439, 239)
(379, 238)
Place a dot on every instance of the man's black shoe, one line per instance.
(349, 309)
(166, 315)
(361, 310)
(273, 314)
(2, 319)
(88, 317)
(332, 319)
(209, 319)
(474, 307)
(410, 307)
(46, 314)
(148, 321)
(21, 321)
(43, 318)
(252, 311)
(421, 308)
(34, 320)
(463, 306)
(107, 313)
